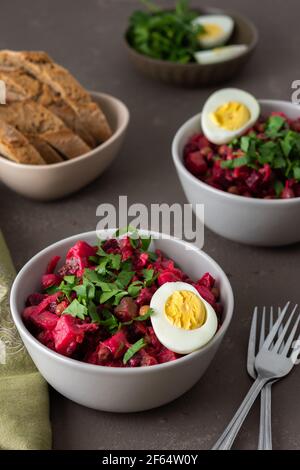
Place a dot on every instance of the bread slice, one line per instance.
(20, 85)
(48, 153)
(14, 146)
(40, 65)
(31, 118)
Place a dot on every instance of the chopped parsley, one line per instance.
(136, 347)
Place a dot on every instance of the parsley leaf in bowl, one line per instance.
(165, 35)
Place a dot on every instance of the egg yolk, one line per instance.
(211, 31)
(186, 310)
(231, 116)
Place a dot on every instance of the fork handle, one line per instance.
(265, 425)
(227, 438)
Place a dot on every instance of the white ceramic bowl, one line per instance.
(246, 220)
(114, 389)
(48, 182)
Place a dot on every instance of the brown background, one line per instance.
(86, 37)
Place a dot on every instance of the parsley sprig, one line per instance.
(106, 284)
(280, 149)
(165, 34)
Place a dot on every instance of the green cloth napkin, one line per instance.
(24, 403)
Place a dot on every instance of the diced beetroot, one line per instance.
(43, 320)
(126, 248)
(260, 127)
(296, 189)
(69, 333)
(147, 359)
(92, 358)
(266, 172)
(253, 180)
(295, 125)
(35, 299)
(142, 261)
(111, 246)
(287, 193)
(48, 300)
(166, 355)
(46, 338)
(167, 276)
(152, 339)
(206, 280)
(49, 280)
(195, 163)
(242, 172)
(52, 265)
(200, 140)
(78, 255)
(135, 361)
(139, 328)
(206, 294)
(114, 346)
(145, 295)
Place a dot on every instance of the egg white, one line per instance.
(212, 131)
(226, 24)
(176, 339)
(220, 54)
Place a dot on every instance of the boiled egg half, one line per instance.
(227, 114)
(217, 29)
(182, 320)
(220, 54)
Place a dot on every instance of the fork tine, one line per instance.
(280, 338)
(252, 343)
(274, 330)
(280, 329)
(291, 338)
(262, 328)
(271, 319)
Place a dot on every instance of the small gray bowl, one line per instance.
(197, 75)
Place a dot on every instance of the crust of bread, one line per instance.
(15, 146)
(31, 118)
(40, 65)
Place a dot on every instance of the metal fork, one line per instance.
(270, 363)
(265, 424)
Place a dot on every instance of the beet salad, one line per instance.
(264, 162)
(107, 303)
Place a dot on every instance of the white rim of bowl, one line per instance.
(115, 370)
(178, 161)
(105, 144)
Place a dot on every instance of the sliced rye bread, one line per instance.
(20, 85)
(30, 117)
(49, 154)
(15, 146)
(40, 65)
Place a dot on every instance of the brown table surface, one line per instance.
(86, 37)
